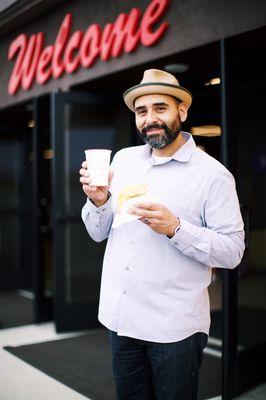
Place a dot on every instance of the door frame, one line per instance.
(42, 304)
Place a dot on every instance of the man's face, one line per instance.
(158, 119)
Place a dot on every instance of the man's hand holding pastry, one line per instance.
(97, 194)
(158, 217)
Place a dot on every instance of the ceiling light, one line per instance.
(177, 68)
(31, 123)
(206, 130)
(48, 154)
(29, 107)
(213, 81)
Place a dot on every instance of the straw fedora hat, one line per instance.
(157, 81)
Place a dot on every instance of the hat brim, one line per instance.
(143, 89)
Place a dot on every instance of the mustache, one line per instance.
(153, 126)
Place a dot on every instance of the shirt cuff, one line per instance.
(186, 236)
(98, 210)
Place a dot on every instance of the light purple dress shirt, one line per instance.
(155, 288)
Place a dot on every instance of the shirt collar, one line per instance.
(183, 154)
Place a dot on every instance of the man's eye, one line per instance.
(161, 108)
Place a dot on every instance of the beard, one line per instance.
(159, 141)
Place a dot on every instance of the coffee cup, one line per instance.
(98, 163)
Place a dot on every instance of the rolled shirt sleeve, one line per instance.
(98, 220)
(219, 242)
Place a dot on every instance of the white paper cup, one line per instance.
(98, 162)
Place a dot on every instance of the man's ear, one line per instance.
(183, 109)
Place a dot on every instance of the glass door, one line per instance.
(244, 149)
(23, 186)
(17, 240)
(79, 121)
(15, 210)
(250, 167)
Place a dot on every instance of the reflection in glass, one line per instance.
(85, 128)
(10, 172)
(10, 198)
(84, 264)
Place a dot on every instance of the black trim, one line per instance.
(230, 277)
(157, 84)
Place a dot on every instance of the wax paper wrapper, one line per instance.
(122, 215)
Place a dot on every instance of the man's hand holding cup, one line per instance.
(97, 194)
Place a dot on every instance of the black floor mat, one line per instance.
(84, 364)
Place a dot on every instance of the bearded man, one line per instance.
(154, 291)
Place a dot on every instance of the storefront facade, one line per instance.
(63, 72)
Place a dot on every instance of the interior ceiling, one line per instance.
(129, 77)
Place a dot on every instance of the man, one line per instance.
(154, 298)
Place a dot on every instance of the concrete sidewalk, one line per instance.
(21, 381)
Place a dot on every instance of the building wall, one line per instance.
(191, 23)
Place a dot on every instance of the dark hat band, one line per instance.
(156, 84)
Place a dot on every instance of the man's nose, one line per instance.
(151, 118)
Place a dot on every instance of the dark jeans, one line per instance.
(163, 371)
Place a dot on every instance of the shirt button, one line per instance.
(127, 268)
(97, 226)
(124, 292)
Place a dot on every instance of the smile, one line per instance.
(154, 131)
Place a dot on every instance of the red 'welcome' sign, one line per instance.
(33, 61)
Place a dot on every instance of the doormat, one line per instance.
(84, 364)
